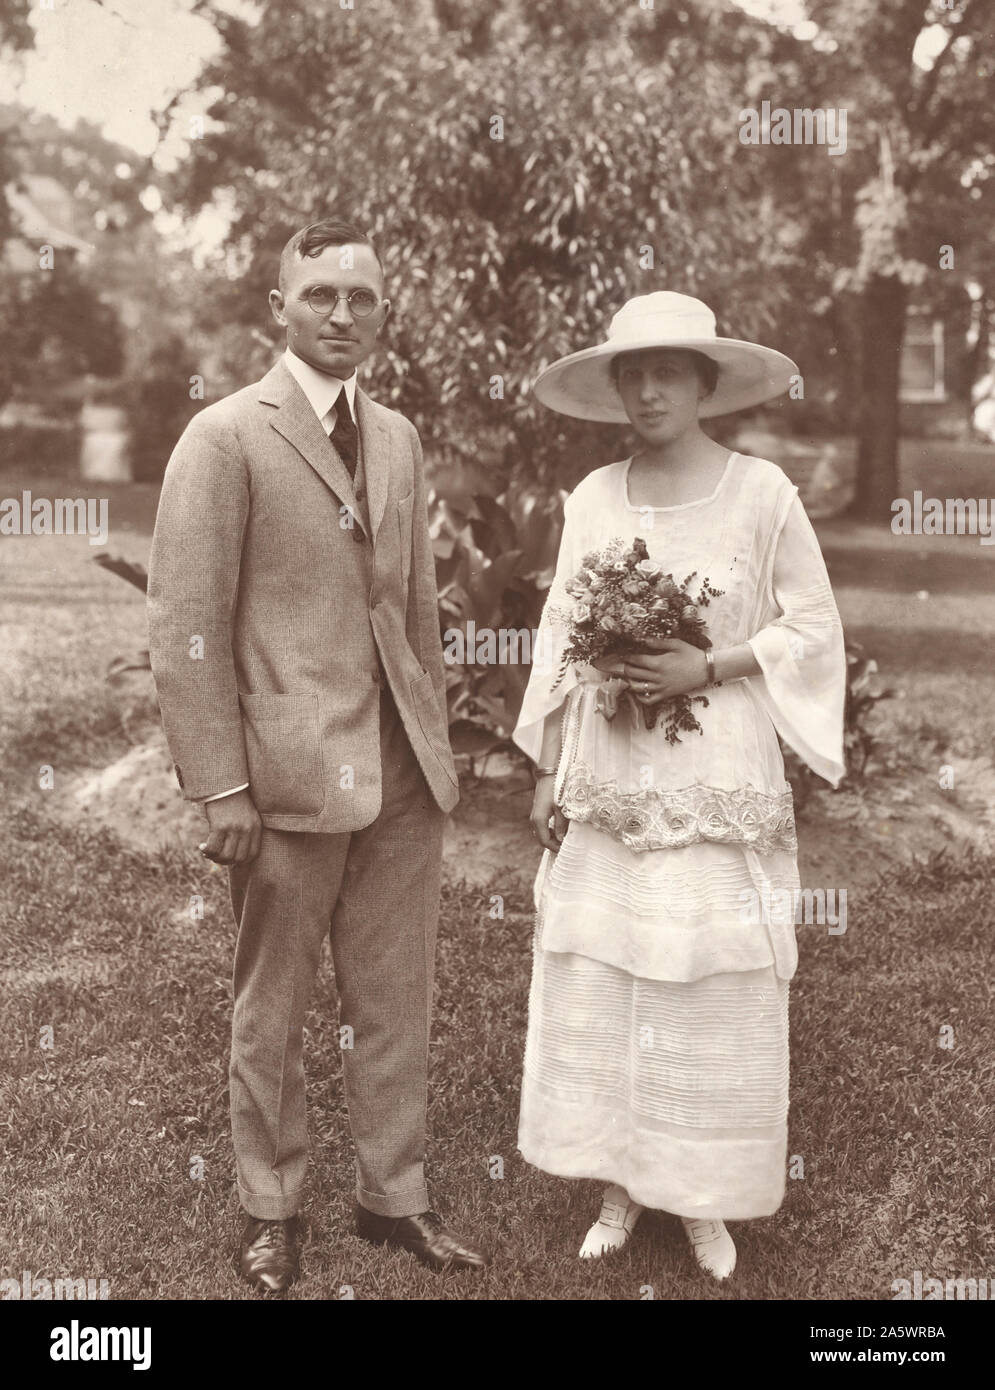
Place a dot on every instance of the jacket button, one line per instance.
(376, 677)
(358, 536)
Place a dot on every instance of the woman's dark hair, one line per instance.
(706, 367)
(312, 240)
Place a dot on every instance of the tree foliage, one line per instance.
(523, 174)
(16, 35)
(66, 320)
(528, 165)
(910, 204)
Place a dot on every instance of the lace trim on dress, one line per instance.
(655, 819)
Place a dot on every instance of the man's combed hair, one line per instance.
(312, 240)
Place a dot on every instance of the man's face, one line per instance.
(335, 340)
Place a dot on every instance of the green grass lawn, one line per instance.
(99, 1133)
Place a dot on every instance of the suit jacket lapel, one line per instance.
(297, 422)
(376, 457)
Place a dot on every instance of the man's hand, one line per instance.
(234, 829)
(544, 808)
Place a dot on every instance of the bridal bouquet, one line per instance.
(623, 602)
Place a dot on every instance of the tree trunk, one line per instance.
(882, 328)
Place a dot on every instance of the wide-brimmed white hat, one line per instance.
(581, 384)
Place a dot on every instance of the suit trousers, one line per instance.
(376, 892)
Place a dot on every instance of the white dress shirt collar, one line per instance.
(321, 389)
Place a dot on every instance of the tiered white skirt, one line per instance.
(675, 1088)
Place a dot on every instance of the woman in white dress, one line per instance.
(657, 1047)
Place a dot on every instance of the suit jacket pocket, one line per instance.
(404, 512)
(283, 748)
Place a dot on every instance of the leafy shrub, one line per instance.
(494, 565)
(862, 694)
(159, 407)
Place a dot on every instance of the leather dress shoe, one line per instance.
(425, 1235)
(270, 1257)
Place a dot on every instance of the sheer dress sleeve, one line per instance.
(800, 648)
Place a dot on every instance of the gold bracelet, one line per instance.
(546, 772)
(710, 665)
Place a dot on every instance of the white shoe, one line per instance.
(712, 1245)
(614, 1226)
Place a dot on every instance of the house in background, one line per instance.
(946, 356)
(44, 214)
(946, 403)
(923, 378)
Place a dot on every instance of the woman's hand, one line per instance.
(673, 668)
(544, 809)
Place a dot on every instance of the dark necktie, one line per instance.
(345, 436)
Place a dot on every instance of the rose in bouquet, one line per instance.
(624, 602)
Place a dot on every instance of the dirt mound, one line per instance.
(137, 798)
(845, 838)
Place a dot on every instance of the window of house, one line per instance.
(921, 372)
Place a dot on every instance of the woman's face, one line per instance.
(661, 391)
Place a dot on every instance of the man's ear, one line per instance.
(386, 312)
(276, 305)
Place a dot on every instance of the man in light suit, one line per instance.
(295, 644)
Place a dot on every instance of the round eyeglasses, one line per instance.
(323, 300)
